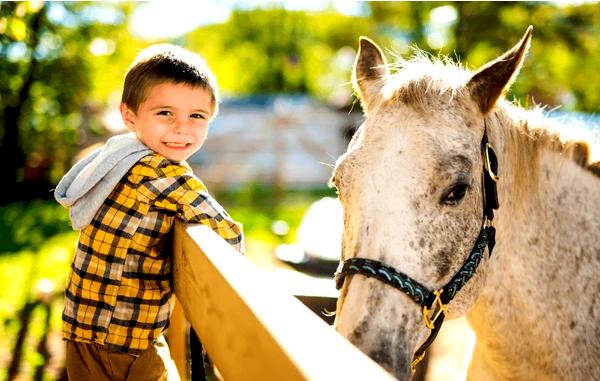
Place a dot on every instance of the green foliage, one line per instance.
(48, 99)
(257, 206)
(564, 48)
(565, 43)
(274, 50)
(29, 224)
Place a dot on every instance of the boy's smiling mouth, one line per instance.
(177, 145)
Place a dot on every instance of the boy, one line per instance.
(124, 198)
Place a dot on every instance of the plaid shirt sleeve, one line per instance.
(177, 190)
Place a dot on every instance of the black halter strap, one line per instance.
(433, 302)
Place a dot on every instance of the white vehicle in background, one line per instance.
(319, 239)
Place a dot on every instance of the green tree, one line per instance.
(45, 62)
(276, 50)
(565, 50)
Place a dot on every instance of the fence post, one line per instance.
(250, 329)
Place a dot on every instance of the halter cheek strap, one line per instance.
(433, 303)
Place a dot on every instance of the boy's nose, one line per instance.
(180, 125)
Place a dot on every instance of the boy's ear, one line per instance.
(128, 116)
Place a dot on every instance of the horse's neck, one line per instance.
(545, 265)
(549, 205)
(553, 226)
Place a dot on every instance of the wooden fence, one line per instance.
(250, 329)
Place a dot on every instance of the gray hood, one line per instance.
(85, 187)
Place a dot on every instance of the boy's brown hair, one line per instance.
(167, 63)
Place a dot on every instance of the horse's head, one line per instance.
(411, 185)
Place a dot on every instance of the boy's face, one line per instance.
(172, 120)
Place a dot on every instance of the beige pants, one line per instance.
(93, 362)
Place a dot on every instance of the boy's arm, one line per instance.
(185, 195)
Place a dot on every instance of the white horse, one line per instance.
(418, 186)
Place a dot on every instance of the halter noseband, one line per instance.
(433, 303)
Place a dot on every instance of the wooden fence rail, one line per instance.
(250, 329)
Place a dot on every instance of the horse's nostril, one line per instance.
(396, 362)
(382, 357)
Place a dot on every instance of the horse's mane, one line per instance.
(422, 79)
(415, 80)
(531, 131)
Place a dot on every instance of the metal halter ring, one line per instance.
(430, 321)
(488, 164)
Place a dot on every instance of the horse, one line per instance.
(459, 202)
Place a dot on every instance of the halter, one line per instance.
(433, 303)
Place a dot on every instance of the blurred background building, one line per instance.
(283, 139)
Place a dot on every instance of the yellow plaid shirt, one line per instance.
(119, 288)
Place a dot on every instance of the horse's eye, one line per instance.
(455, 194)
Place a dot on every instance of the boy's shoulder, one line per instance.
(156, 166)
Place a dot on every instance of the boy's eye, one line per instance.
(165, 113)
(197, 116)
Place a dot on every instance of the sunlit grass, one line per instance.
(31, 276)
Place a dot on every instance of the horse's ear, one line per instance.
(370, 70)
(494, 78)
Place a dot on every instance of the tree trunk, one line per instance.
(12, 154)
